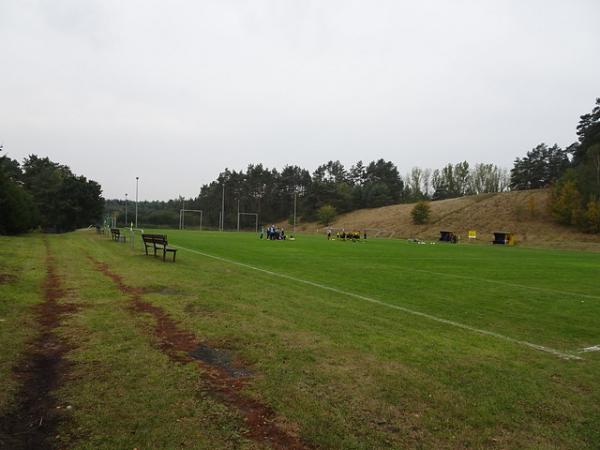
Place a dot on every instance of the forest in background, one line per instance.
(572, 172)
(43, 194)
(270, 193)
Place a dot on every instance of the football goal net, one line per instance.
(182, 213)
(247, 218)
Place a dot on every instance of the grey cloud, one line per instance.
(198, 86)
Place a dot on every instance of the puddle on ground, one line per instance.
(218, 358)
(162, 290)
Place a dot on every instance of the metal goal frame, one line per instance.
(247, 214)
(182, 217)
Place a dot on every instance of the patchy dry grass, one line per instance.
(524, 213)
(22, 269)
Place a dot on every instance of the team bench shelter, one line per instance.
(503, 238)
(158, 242)
(448, 236)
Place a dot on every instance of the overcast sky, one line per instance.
(175, 91)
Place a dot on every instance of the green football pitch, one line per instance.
(372, 344)
(537, 296)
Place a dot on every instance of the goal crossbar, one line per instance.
(182, 217)
(247, 214)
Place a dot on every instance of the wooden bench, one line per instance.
(158, 242)
(115, 234)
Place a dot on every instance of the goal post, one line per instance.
(247, 214)
(182, 217)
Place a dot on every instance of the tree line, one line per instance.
(573, 173)
(270, 192)
(47, 195)
(42, 193)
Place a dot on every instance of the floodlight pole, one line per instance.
(238, 216)
(126, 223)
(223, 209)
(295, 192)
(182, 215)
(137, 179)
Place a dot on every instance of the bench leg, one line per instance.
(174, 253)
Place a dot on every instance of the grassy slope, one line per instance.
(343, 372)
(524, 213)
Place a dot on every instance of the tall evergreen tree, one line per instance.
(64, 201)
(18, 213)
(541, 167)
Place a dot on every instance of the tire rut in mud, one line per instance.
(33, 420)
(224, 383)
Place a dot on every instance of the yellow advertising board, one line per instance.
(472, 234)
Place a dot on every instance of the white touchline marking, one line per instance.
(389, 305)
(595, 348)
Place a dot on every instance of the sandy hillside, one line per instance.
(524, 213)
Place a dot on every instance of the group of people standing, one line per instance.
(347, 235)
(274, 233)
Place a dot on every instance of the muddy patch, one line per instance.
(224, 378)
(162, 290)
(219, 358)
(197, 307)
(7, 278)
(34, 418)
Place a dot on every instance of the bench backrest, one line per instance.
(160, 239)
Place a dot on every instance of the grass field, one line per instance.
(310, 343)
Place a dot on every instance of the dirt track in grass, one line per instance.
(34, 418)
(225, 380)
(6, 278)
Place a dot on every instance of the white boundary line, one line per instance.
(504, 283)
(595, 348)
(396, 307)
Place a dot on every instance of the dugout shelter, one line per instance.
(448, 236)
(503, 238)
